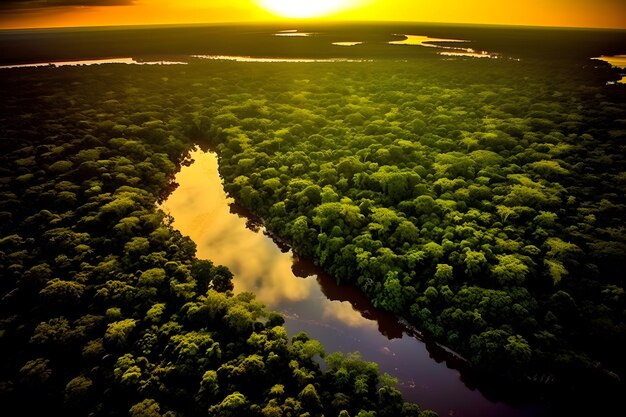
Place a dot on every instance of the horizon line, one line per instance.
(311, 21)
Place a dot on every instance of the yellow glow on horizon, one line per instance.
(568, 13)
(305, 8)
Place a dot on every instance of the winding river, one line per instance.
(337, 315)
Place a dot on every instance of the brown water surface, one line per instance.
(338, 315)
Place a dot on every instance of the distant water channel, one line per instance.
(128, 61)
(339, 316)
(617, 61)
(450, 51)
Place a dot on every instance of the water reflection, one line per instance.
(451, 51)
(294, 33)
(347, 43)
(362, 309)
(470, 53)
(239, 58)
(617, 61)
(421, 40)
(202, 211)
(344, 312)
(129, 61)
(338, 315)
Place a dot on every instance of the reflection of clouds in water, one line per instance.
(201, 211)
(344, 312)
(281, 281)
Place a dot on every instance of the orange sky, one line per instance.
(55, 13)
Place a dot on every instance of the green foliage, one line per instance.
(119, 332)
(481, 199)
(146, 408)
(233, 405)
(154, 277)
(510, 270)
(106, 310)
(441, 188)
(78, 389)
(58, 291)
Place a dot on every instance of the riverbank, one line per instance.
(340, 316)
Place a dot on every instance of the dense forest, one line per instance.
(484, 203)
(104, 308)
(481, 200)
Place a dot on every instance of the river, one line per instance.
(339, 316)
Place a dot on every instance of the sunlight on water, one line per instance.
(129, 61)
(201, 211)
(347, 43)
(295, 34)
(617, 61)
(237, 58)
(344, 312)
(470, 54)
(340, 316)
(451, 51)
(422, 40)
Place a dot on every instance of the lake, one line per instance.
(427, 41)
(421, 40)
(617, 61)
(337, 315)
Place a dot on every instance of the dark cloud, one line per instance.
(25, 5)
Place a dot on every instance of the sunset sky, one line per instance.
(55, 13)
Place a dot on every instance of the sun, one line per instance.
(304, 8)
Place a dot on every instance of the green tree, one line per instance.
(119, 332)
(310, 398)
(232, 405)
(146, 408)
(510, 271)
